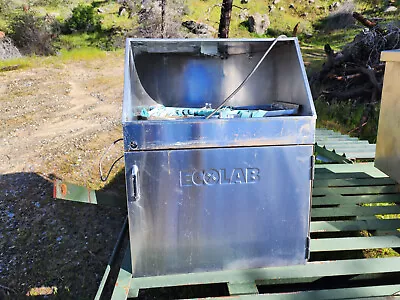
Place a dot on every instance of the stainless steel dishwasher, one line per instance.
(217, 189)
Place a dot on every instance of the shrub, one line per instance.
(5, 6)
(33, 35)
(84, 18)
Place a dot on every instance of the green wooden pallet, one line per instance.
(336, 147)
(355, 215)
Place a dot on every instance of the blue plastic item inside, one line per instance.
(269, 110)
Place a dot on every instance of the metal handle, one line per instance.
(135, 192)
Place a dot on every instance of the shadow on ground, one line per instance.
(53, 243)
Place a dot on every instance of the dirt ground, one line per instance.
(55, 123)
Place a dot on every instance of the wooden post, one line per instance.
(226, 10)
(387, 157)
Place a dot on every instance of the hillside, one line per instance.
(318, 21)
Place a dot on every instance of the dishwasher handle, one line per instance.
(135, 190)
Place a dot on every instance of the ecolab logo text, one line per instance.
(219, 176)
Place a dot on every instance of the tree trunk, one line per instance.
(226, 10)
(163, 2)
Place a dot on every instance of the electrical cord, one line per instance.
(247, 78)
(112, 166)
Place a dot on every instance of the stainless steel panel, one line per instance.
(178, 134)
(387, 157)
(218, 209)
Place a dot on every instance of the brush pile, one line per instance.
(356, 72)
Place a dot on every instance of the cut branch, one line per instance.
(363, 20)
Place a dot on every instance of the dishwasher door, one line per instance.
(218, 209)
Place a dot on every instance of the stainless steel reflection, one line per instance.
(218, 209)
(194, 72)
(216, 194)
(178, 134)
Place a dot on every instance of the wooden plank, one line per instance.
(248, 288)
(352, 148)
(330, 294)
(354, 243)
(326, 138)
(347, 144)
(355, 199)
(360, 155)
(354, 211)
(351, 225)
(312, 269)
(328, 132)
(391, 55)
(322, 129)
(341, 143)
(352, 280)
(323, 133)
(360, 167)
(394, 232)
(353, 175)
(353, 182)
(359, 190)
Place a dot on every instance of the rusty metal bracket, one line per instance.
(72, 192)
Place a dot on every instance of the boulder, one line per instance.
(391, 9)
(198, 28)
(258, 23)
(121, 11)
(244, 15)
(334, 6)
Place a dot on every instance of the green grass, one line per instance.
(337, 39)
(76, 40)
(3, 24)
(84, 54)
(111, 18)
(282, 21)
(18, 63)
(63, 57)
